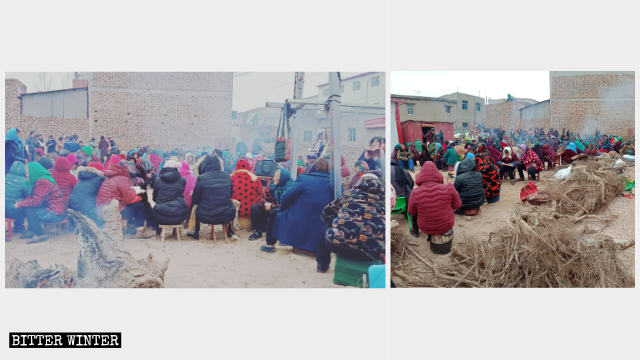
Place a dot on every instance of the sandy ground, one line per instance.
(622, 228)
(196, 264)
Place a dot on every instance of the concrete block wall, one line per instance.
(13, 88)
(586, 101)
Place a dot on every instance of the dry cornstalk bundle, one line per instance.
(552, 255)
(587, 190)
(540, 246)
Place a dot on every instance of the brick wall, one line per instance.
(504, 115)
(12, 89)
(165, 110)
(56, 126)
(584, 101)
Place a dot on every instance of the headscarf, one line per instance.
(12, 135)
(282, 186)
(505, 150)
(87, 150)
(469, 155)
(579, 146)
(243, 166)
(72, 159)
(438, 146)
(38, 172)
(572, 146)
(172, 164)
(62, 164)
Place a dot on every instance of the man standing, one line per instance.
(51, 146)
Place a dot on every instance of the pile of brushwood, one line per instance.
(555, 244)
(101, 260)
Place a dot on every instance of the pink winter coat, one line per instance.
(191, 182)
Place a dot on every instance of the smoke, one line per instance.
(610, 112)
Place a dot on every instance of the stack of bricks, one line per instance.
(162, 110)
(586, 101)
(13, 88)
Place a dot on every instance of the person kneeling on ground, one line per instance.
(431, 208)
(212, 196)
(116, 186)
(44, 205)
(168, 194)
(264, 212)
(468, 184)
(356, 223)
(84, 194)
(16, 189)
(298, 222)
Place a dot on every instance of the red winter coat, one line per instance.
(433, 201)
(531, 158)
(45, 194)
(246, 188)
(116, 186)
(65, 180)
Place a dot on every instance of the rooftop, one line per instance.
(427, 98)
(538, 103)
(54, 91)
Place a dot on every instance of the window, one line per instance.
(307, 135)
(447, 109)
(375, 81)
(356, 85)
(352, 134)
(465, 125)
(478, 107)
(325, 92)
(465, 104)
(410, 109)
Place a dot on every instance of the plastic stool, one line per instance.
(377, 276)
(351, 272)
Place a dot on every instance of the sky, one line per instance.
(253, 90)
(492, 84)
(40, 81)
(250, 89)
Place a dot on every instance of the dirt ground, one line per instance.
(196, 264)
(622, 228)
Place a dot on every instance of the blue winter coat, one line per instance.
(299, 222)
(83, 196)
(16, 186)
